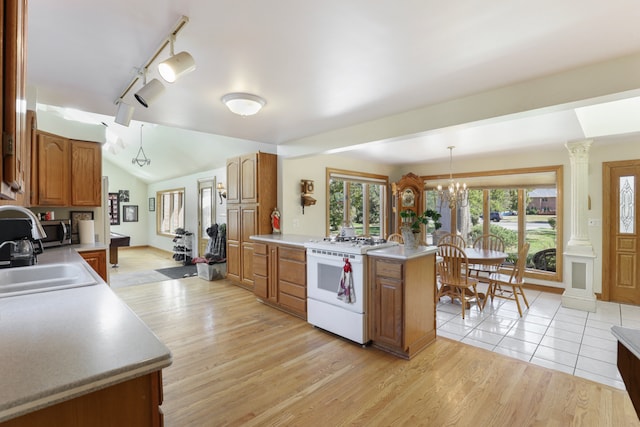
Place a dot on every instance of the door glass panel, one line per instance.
(627, 204)
(206, 213)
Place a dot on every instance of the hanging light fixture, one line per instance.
(455, 194)
(177, 65)
(141, 159)
(243, 104)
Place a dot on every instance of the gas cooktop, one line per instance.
(352, 244)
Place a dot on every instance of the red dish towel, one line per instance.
(346, 291)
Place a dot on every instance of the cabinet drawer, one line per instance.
(294, 303)
(260, 248)
(389, 269)
(293, 289)
(292, 254)
(292, 271)
(260, 265)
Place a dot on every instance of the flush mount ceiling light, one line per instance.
(149, 92)
(177, 65)
(124, 113)
(174, 67)
(243, 104)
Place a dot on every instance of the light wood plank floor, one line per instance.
(239, 362)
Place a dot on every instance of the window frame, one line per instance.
(160, 210)
(487, 176)
(364, 178)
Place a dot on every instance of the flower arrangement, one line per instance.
(413, 221)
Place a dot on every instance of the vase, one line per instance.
(411, 239)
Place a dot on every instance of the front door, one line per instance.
(621, 241)
(206, 212)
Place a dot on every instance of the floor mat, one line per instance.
(179, 272)
(119, 280)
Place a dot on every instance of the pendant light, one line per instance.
(455, 194)
(141, 159)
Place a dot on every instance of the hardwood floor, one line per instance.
(239, 362)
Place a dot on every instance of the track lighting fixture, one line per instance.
(170, 70)
(149, 92)
(177, 65)
(124, 113)
(243, 104)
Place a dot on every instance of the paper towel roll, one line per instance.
(86, 230)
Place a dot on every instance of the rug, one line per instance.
(179, 272)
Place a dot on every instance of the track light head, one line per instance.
(149, 92)
(176, 66)
(124, 113)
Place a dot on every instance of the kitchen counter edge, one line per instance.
(400, 252)
(285, 239)
(130, 364)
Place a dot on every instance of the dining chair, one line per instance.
(395, 237)
(500, 282)
(454, 281)
(452, 239)
(491, 242)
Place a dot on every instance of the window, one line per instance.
(170, 211)
(519, 206)
(358, 200)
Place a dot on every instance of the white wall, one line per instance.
(119, 179)
(190, 185)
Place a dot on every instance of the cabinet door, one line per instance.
(233, 180)
(248, 178)
(86, 173)
(13, 90)
(261, 270)
(98, 261)
(246, 264)
(233, 242)
(274, 273)
(388, 314)
(53, 170)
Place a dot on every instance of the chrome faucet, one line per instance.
(37, 232)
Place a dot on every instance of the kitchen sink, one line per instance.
(43, 278)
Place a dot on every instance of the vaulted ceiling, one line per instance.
(327, 65)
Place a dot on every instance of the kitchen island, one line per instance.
(402, 283)
(78, 355)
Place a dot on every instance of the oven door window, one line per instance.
(329, 277)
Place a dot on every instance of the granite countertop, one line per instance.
(630, 338)
(61, 344)
(400, 252)
(285, 239)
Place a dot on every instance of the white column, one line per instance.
(579, 254)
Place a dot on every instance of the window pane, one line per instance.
(206, 202)
(336, 205)
(541, 228)
(627, 204)
(171, 210)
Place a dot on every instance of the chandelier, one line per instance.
(455, 194)
(141, 159)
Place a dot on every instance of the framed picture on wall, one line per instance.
(130, 213)
(152, 204)
(114, 209)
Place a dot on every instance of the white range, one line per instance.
(325, 265)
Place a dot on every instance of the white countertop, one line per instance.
(61, 344)
(400, 252)
(285, 239)
(630, 338)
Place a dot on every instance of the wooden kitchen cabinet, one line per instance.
(135, 402)
(67, 172)
(97, 259)
(13, 168)
(402, 304)
(251, 197)
(280, 277)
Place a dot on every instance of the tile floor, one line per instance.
(549, 335)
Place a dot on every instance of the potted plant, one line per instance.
(411, 225)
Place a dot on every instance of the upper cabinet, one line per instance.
(14, 166)
(66, 172)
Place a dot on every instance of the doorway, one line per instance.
(206, 212)
(621, 269)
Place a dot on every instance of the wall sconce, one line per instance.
(221, 191)
(307, 190)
